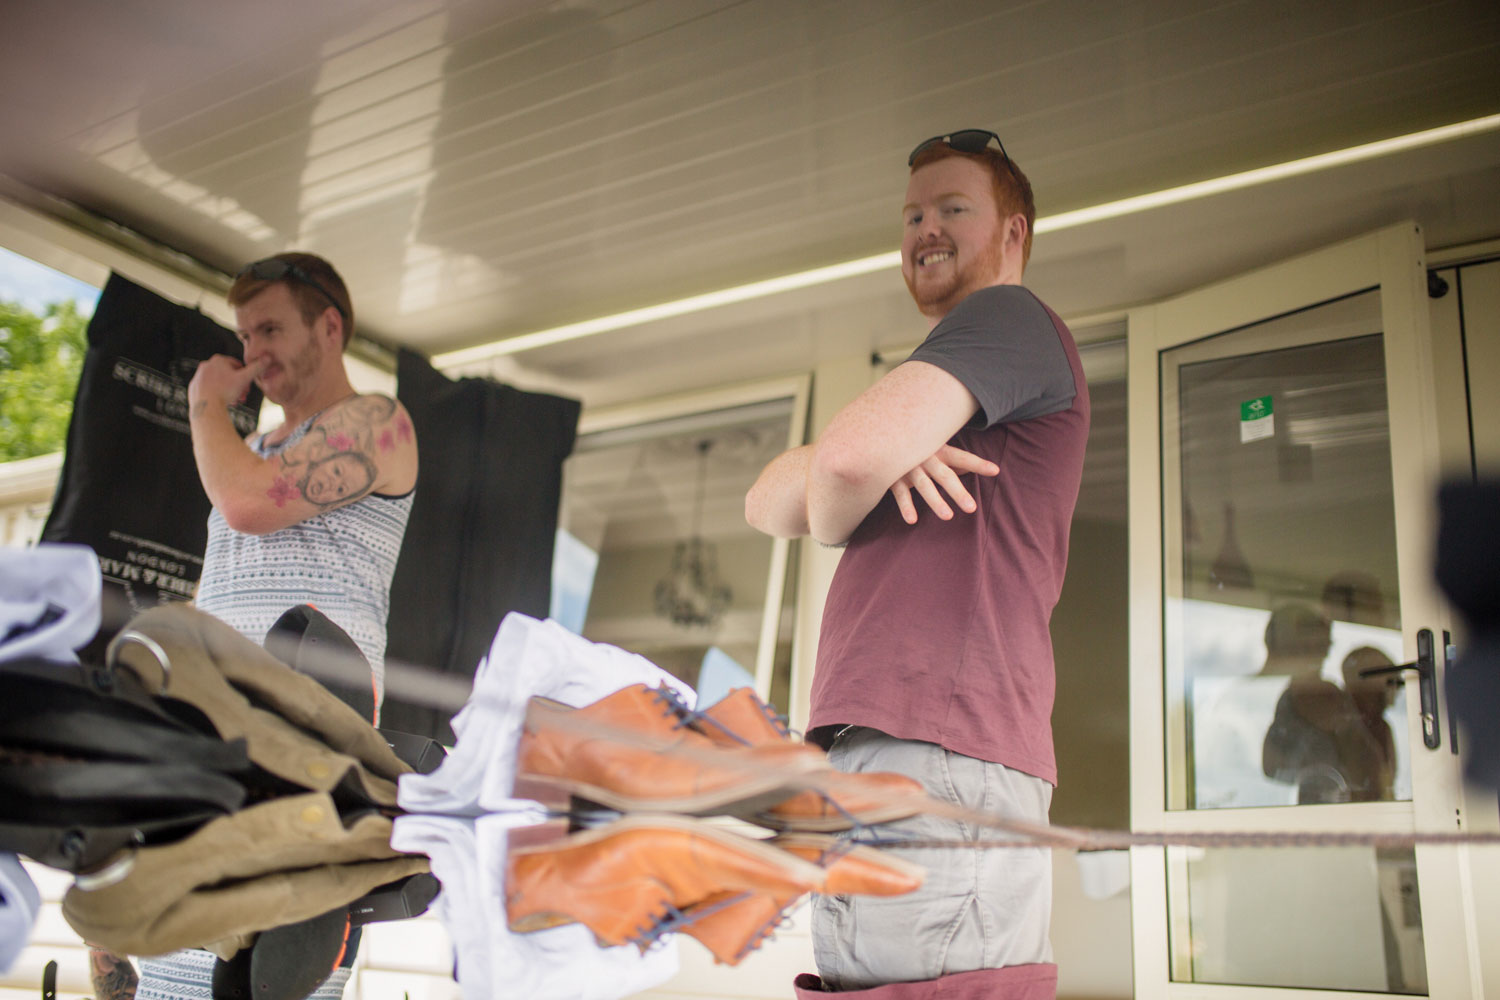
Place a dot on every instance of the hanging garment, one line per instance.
(479, 540)
(129, 486)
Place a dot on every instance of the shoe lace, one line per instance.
(674, 705)
(766, 932)
(691, 717)
(671, 919)
(781, 722)
(834, 851)
(856, 825)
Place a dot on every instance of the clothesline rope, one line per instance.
(446, 692)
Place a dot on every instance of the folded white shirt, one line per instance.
(460, 815)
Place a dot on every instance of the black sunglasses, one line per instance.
(274, 269)
(969, 140)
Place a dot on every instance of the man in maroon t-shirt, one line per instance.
(935, 658)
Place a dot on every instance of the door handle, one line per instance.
(1426, 667)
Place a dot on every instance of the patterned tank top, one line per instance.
(340, 561)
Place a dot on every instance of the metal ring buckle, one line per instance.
(151, 646)
(111, 874)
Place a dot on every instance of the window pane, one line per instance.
(655, 554)
(1282, 583)
(1325, 918)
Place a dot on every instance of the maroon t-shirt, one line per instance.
(938, 631)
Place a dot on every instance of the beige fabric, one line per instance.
(271, 864)
(214, 668)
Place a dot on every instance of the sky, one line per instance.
(33, 285)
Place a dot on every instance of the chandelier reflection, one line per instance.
(691, 593)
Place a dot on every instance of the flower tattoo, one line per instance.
(283, 490)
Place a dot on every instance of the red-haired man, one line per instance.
(935, 658)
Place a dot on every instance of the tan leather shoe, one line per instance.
(839, 801)
(733, 924)
(633, 752)
(740, 718)
(836, 801)
(630, 879)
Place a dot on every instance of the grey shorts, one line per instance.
(977, 909)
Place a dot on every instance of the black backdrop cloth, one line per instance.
(480, 538)
(129, 487)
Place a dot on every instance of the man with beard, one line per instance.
(935, 658)
(312, 512)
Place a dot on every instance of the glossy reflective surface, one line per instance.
(655, 556)
(1339, 919)
(1283, 587)
(1282, 591)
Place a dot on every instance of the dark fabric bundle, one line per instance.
(480, 539)
(1468, 570)
(129, 486)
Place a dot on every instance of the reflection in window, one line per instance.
(1269, 739)
(573, 568)
(631, 498)
(1281, 576)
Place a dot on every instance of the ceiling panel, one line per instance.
(481, 169)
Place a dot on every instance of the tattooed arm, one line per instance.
(114, 977)
(362, 445)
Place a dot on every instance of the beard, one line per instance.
(298, 372)
(936, 298)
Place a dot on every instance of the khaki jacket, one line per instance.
(316, 839)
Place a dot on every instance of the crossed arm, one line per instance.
(361, 445)
(893, 436)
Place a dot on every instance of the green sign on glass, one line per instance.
(1256, 421)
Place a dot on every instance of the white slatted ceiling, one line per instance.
(482, 168)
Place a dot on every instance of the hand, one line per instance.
(221, 381)
(937, 475)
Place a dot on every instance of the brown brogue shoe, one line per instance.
(632, 751)
(853, 869)
(628, 880)
(839, 801)
(733, 924)
(741, 718)
(836, 802)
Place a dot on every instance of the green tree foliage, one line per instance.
(40, 358)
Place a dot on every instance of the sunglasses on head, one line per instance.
(274, 269)
(969, 140)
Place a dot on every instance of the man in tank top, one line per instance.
(312, 512)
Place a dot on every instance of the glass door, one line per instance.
(1282, 442)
